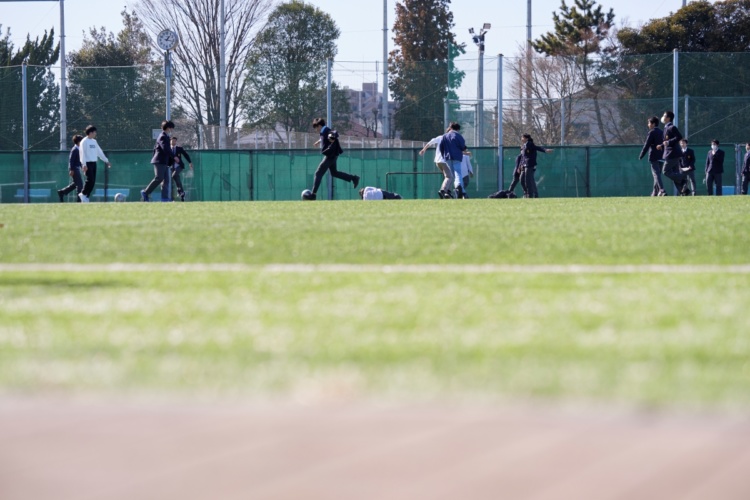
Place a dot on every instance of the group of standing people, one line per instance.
(168, 161)
(669, 154)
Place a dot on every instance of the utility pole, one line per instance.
(63, 83)
(222, 82)
(384, 115)
(527, 105)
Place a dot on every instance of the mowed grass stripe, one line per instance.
(379, 269)
(612, 231)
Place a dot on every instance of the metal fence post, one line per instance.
(25, 118)
(500, 181)
(329, 118)
(588, 172)
(676, 85)
(687, 113)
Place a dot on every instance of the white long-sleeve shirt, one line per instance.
(90, 151)
(372, 193)
(436, 142)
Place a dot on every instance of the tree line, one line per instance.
(276, 72)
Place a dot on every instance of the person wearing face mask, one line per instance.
(746, 169)
(687, 165)
(671, 151)
(654, 138)
(714, 168)
(529, 151)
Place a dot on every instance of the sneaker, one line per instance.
(441, 194)
(355, 181)
(182, 195)
(144, 196)
(61, 196)
(448, 195)
(313, 197)
(83, 197)
(662, 193)
(460, 193)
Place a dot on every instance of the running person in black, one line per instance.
(331, 149)
(74, 171)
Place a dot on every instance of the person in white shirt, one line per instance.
(372, 193)
(442, 165)
(90, 151)
(466, 171)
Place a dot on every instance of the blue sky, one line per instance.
(359, 20)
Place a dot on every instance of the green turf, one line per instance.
(662, 339)
(612, 230)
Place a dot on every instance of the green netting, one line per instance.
(569, 171)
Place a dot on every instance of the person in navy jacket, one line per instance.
(529, 151)
(161, 160)
(687, 166)
(74, 171)
(654, 138)
(330, 149)
(672, 153)
(746, 169)
(714, 168)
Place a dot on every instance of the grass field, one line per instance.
(673, 337)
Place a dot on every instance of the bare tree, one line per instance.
(197, 55)
(555, 87)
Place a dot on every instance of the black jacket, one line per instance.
(715, 162)
(74, 161)
(177, 154)
(688, 159)
(528, 151)
(162, 151)
(672, 137)
(654, 138)
(328, 148)
(746, 167)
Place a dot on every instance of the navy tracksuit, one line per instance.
(74, 170)
(654, 138)
(714, 169)
(672, 154)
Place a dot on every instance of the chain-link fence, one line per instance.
(569, 171)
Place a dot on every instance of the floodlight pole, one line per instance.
(480, 92)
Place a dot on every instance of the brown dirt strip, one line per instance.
(59, 448)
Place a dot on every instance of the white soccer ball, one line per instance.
(119, 197)
(307, 195)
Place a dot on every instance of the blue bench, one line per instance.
(34, 193)
(111, 192)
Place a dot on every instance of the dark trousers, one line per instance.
(712, 179)
(166, 186)
(76, 183)
(745, 182)
(88, 188)
(527, 179)
(387, 195)
(656, 172)
(329, 163)
(515, 181)
(690, 175)
(671, 170)
(160, 173)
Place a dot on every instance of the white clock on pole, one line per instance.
(167, 39)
